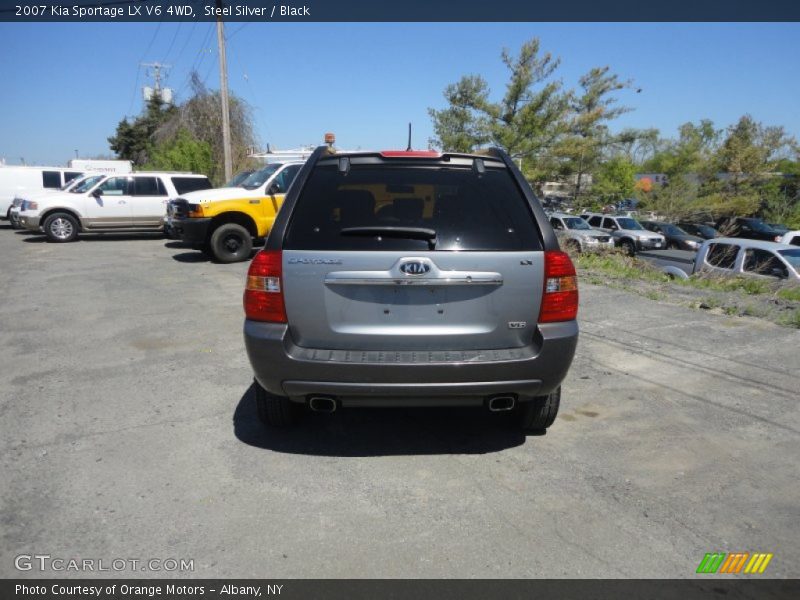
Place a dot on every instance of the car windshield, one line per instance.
(576, 223)
(673, 230)
(238, 179)
(260, 177)
(792, 257)
(629, 224)
(86, 184)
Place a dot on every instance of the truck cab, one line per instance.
(224, 222)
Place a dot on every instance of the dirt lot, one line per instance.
(127, 430)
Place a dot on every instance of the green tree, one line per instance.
(182, 153)
(745, 164)
(692, 153)
(525, 122)
(201, 117)
(588, 136)
(134, 140)
(615, 179)
(677, 200)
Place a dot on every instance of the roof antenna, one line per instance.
(409, 138)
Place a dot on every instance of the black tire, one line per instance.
(231, 243)
(539, 413)
(275, 411)
(628, 247)
(61, 227)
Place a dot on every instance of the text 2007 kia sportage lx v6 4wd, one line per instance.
(410, 278)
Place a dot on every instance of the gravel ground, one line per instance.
(127, 429)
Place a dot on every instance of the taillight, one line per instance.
(560, 294)
(263, 294)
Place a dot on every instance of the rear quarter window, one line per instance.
(467, 212)
(722, 256)
(184, 185)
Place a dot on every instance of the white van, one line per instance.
(109, 167)
(16, 181)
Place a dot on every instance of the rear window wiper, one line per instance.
(413, 233)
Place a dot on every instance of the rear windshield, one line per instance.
(381, 207)
(184, 185)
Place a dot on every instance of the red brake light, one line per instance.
(263, 294)
(560, 293)
(411, 154)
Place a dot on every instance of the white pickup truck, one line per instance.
(730, 256)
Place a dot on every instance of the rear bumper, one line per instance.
(409, 378)
(192, 231)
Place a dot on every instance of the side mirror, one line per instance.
(274, 188)
(97, 193)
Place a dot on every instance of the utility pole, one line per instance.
(223, 92)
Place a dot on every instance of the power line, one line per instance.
(186, 43)
(135, 87)
(198, 59)
(152, 39)
(172, 43)
(238, 29)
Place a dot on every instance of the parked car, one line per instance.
(21, 203)
(223, 222)
(676, 238)
(626, 232)
(410, 278)
(701, 230)
(791, 237)
(747, 227)
(781, 229)
(133, 202)
(732, 256)
(576, 234)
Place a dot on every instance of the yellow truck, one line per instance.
(224, 222)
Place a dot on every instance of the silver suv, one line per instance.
(575, 234)
(410, 279)
(627, 232)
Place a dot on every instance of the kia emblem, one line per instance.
(415, 267)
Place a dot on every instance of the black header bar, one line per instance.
(399, 10)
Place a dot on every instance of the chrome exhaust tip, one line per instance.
(323, 404)
(501, 403)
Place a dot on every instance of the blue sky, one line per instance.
(66, 85)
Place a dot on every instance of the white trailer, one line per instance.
(115, 167)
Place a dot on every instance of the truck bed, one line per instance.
(680, 259)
